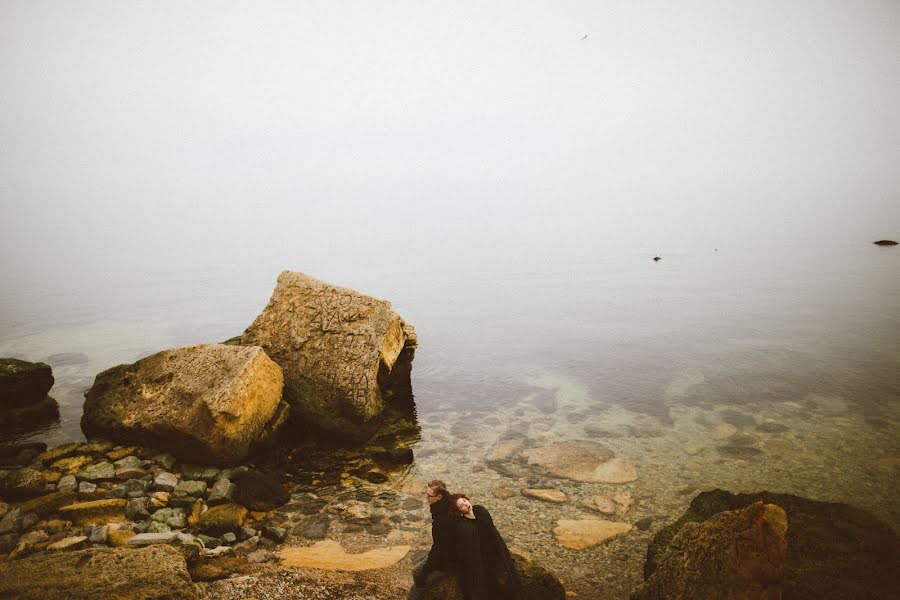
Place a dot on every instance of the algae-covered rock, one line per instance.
(205, 403)
(734, 554)
(336, 346)
(95, 512)
(834, 551)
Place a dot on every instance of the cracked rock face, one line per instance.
(207, 403)
(333, 344)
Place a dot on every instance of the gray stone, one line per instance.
(132, 462)
(75, 542)
(136, 485)
(157, 527)
(644, 524)
(190, 488)
(165, 482)
(102, 471)
(12, 522)
(99, 534)
(87, 490)
(222, 492)
(314, 527)
(136, 509)
(258, 556)
(209, 541)
(67, 483)
(149, 539)
(245, 533)
(275, 533)
(166, 460)
(229, 538)
(120, 492)
(246, 547)
(163, 514)
(177, 521)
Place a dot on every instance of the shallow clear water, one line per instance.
(797, 348)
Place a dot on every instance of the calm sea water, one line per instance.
(711, 328)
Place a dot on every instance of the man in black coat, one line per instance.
(441, 560)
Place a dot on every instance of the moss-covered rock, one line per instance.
(48, 504)
(95, 512)
(834, 551)
(222, 519)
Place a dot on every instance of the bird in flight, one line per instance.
(584, 37)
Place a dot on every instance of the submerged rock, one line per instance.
(336, 346)
(579, 534)
(330, 556)
(580, 460)
(154, 572)
(834, 551)
(206, 402)
(735, 554)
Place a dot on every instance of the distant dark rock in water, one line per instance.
(537, 584)
(208, 403)
(24, 403)
(738, 554)
(834, 551)
(657, 258)
(885, 243)
(66, 359)
(23, 383)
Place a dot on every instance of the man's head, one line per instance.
(435, 490)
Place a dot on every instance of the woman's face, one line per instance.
(464, 506)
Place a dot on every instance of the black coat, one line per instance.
(442, 556)
(486, 568)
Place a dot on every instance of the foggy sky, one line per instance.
(314, 135)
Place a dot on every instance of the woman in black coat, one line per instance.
(487, 571)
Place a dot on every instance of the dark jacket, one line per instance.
(486, 568)
(442, 556)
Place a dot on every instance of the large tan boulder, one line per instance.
(735, 555)
(204, 404)
(154, 572)
(580, 460)
(335, 346)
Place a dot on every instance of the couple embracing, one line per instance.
(466, 545)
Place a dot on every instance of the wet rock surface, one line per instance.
(24, 403)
